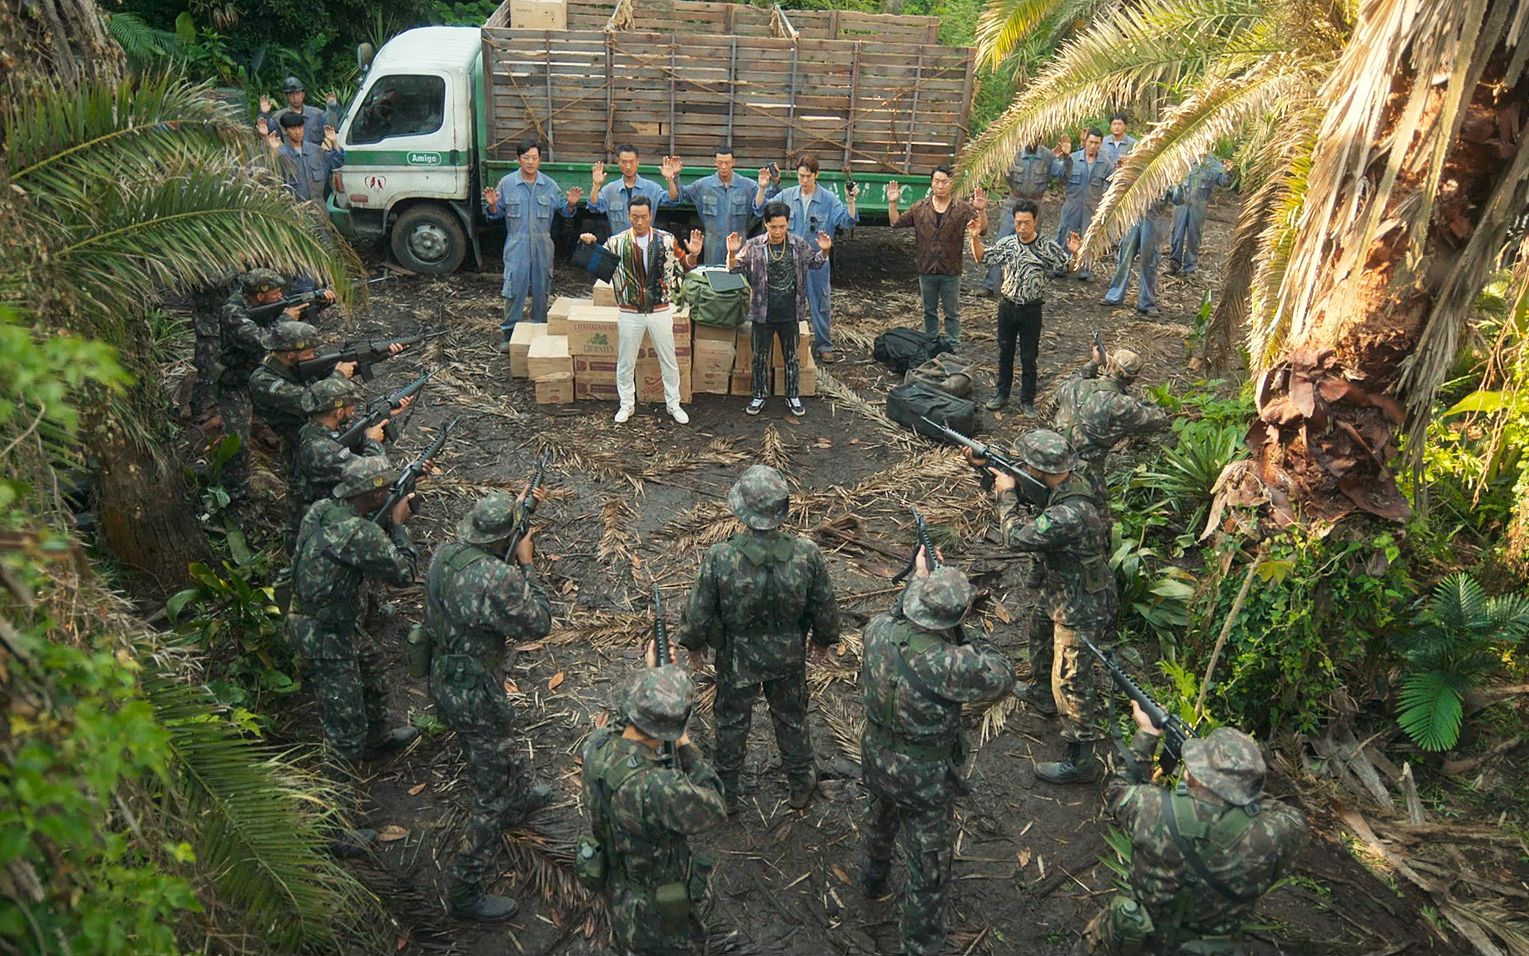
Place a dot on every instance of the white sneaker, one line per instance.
(678, 414)
(623, 414)
(755, 407)
(795, 404)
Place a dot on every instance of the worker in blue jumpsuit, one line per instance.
(1029, 176)
(723, 201)
(1088, 174)
(814, 210)
(1144, 244)
(527, 200)
(613, 198)
(1189, 220)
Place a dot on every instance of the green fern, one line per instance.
(143, 44)
(1457, 640)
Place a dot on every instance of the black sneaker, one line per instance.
(795, 404)
(755, 407)
(996, 402)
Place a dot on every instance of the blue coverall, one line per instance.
(527, 210)
(1086, 183)
(722, 209)
(614, 196)
(1189, 219)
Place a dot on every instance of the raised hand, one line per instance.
(330, 142)
(597, 178)
(1063, 148)
(894, 193)
(265, 104)
(734, 243)
(262, 127)
(574, 195)
(273, 140)
(825, 242)
(979, 199)
(695, 243)
(764, 177)
(670, 166)
(1226, 164)
(491, 197)
(976, 227)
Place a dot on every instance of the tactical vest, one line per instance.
(633, 858)
(449, 639)
(1090, 572)
(325, 586)
(1199, 841)
(758, 599)
(881, 704)
(1071, 422)
(282, 422)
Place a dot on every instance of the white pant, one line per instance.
(659, 326)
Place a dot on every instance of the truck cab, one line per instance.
(410, 151)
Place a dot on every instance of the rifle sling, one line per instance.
(1191, 855)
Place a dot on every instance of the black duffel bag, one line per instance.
(902, 349)
(909, 403)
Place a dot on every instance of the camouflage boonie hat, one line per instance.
(492, 519)
(257, 281)
(658, 701)
(329, 394)
(1228, 764)
(361, 475)
(938, 600)
(293, 337)
(760, 498)
(1123, 363)
(1046, 451)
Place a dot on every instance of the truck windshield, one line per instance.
(400, 105)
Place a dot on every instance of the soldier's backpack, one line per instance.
(711, 306)
(909, 403)
(902, 349)
(948, 373)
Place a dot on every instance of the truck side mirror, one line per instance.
(364, 54)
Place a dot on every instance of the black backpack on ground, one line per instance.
(902, 349)
(907, 404)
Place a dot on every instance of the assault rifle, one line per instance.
(353, 436)
(403, 485)
(924, 544)
(527, 509)
(661, 653)
(267, 315)
(364, 354)
(1175, 730)
(1031, 488)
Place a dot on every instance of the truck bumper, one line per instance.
(357, 224)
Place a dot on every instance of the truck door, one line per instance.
(408, 148)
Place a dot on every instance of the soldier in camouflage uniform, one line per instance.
(1201, 854)
(331, 405)
(1095, 413)
(919, 668)
(477, 598)
(1072, 537)
(644, 806)
(757, 598)
(207, 324)
(337, 548)
(280, 399)
(242, 347)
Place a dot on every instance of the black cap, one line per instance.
(289, 120)
(293, 85)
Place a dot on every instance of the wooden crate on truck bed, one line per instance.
(891, 102)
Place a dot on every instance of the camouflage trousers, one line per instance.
(1055, 648)
(471, 701)
(638, 929)
(734, 712)
(346, 672)
(234, 405)
(1109, 933)
(928, 831)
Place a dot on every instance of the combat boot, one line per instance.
(534, 799)
(485, 908)
(801, 790)
(388, 741)
(1038, 697)
(873, 882)
(1080, 765)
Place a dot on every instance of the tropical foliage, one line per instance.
(1459, 638)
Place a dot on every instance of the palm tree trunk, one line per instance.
(1378, 293)
(47, 43)
(147, 517)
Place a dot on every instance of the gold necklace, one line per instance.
(773, 256)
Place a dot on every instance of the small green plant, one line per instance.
(1455, 642)
(1183, 477)
(239, 624)
(1154, 597)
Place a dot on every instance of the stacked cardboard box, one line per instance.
(715, 351)
(604, 293)
(551, 368)
(520, 345)
(593, 344)
(557, 315)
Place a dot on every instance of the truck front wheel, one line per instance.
(429, 240)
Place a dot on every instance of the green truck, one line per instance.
(440, 109)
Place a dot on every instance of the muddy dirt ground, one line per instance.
(646, 498)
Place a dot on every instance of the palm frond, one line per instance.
(1219, 109)
(258, 825)
(1128, 57)
(186, 228)
(1004, 25)
(142, 43)
(1269, 327)
(62, 147)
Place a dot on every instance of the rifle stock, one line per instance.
(1175, 730)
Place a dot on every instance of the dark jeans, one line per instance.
(762, 340)
(1021, 323)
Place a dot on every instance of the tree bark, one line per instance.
(147, 518)
(1330, 410)
(47, 43)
